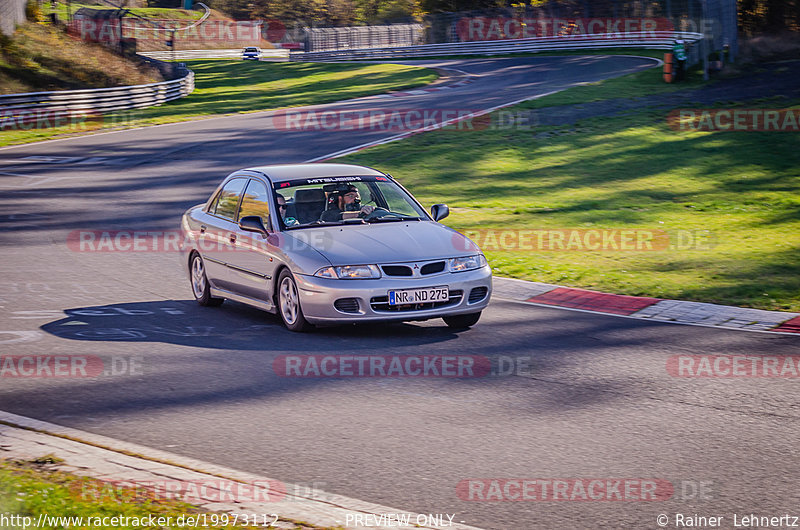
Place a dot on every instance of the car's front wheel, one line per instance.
(462, 321)
(289, 303)
(200, 286)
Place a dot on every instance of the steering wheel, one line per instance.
(381, 212)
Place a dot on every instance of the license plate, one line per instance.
(419, 296)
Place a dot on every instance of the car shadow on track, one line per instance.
(233, 327)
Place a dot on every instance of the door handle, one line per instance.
(203, 229)
(233, 239)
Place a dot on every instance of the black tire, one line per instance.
(462, 321)
(200, 287)
(288, 301)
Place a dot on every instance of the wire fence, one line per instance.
(716, 20)
(358, 37)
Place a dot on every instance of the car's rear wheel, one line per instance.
(200, 285)
(289, 303)
(462, 321)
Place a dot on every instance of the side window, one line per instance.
(228, 199)
(256, 201)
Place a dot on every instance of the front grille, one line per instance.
(432, 268)
(381, 304)
(397, 270)
(477, 294)
(346, 305)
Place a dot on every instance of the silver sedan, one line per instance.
(331, 243)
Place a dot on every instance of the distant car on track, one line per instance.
(251, 53)
(384, 260)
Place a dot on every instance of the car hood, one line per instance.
(392, 242)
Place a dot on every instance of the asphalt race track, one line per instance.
(594, 401)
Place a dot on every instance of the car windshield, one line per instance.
(250, 50)
(325, 201)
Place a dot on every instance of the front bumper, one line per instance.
(318, 295)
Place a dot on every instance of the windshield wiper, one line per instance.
(317, 224)
(388, 219)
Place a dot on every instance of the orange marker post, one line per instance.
(669, 70)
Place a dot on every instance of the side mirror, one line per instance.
(253, 223)
(439, 211)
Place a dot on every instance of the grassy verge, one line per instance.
(148, 12)
(30, 489)
(730, 202)
(42, 58)
(228, 87)
(644, 83)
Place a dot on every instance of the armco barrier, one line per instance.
(659, 40)
(187, 55)
(100, 100)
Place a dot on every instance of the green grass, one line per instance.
(42, 58)
(149, 12)
(224, 87)
(28, 489)
(742, 189)
(641, 83)
(31, 489)
(227, 87)
(645, 82)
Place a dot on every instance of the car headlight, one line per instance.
(467, 263)
(350, 272)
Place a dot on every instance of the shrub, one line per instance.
(33, 11)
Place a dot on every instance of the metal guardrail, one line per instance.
(661, 40)
(32, 107)
(186, 55)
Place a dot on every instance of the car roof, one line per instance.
(280, 173)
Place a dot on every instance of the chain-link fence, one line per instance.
(358, 37)
(716, 19)
(12, 12)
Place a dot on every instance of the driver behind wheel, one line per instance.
(345, 200)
